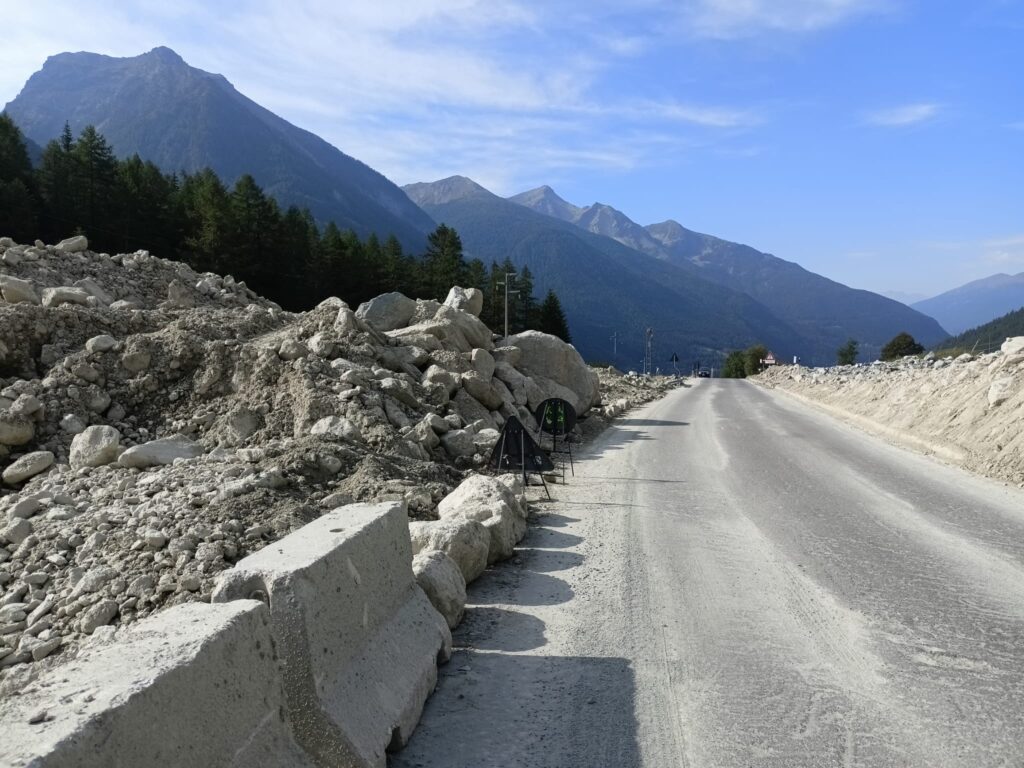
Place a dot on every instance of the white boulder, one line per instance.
(160, 452)
(54, 297)
(467, 299)
(75, 244)
(557, 368)
(440, 578)
(337, 426)
(17, 291)
(95, 446)
(29, 465)
(466, 542)
(388, 311)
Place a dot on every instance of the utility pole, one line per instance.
(649, 351)
(508, 277)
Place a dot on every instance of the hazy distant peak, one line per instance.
(444, 191)
(545, 200)
(668, 232)
(164, 54)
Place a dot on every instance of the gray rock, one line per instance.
(387, 312)
(102, 343)
(15, 291)
(29, 465)
(442, 581)
(15, 430)
(159, 452)
(95, 446)
(481, 389)
(466, 299)
(94, 289)
(557, 368)
(75, 244)
(54, 297)
(338, 426)
(136, 361)
(16, 531)
(291, 349)
(99, 615)
(25, 508)
(466, 542)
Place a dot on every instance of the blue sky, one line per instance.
(877, 142)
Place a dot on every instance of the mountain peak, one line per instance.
(164, 55)
(545, 200)
(444, 191)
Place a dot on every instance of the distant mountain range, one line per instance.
(605, 287)
(184, 119)
(976, 302)
(989, 336)
(821, 310)
(702, 295)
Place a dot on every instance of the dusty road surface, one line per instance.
(733, 580)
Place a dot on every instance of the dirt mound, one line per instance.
(157, 425)
(968, 410)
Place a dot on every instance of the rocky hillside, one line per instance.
(968, 410)
(156, 425)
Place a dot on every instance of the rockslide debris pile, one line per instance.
(157, 425)
(968, 410)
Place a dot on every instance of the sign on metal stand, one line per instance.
(516, 450)
(557, 417)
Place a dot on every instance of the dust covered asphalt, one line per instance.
(733, 580)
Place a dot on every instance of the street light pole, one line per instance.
(508, 277)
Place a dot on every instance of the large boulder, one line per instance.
(15, 291)
(471, 328)
(15, 430)
(75, 244)
(467, 299)
(494, 505)
(557, 368)
(466, 542)
(29, 465)
(388, 311)
(160, 452)
(482, 390)
(440, 578)
(95, 446)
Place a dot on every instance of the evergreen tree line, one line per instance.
(80, 187)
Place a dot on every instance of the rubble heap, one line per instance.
(157, 425)
(968, 409)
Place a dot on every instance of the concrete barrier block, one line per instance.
(358, 640)
(196, 685)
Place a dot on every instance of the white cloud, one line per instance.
(415, 88)
(728, 19)
(907, 114)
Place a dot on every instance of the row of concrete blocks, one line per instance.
(319, 650)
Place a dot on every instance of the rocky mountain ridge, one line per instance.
(823, 312)
(185, 119)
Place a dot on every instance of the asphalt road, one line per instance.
(733, 580)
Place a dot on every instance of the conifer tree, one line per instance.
(551, 318)
(19, 206)
(93, 177)
(55, 176)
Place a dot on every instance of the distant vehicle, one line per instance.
(704, 373)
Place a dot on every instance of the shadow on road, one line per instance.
(499, 629)
(496, 710)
